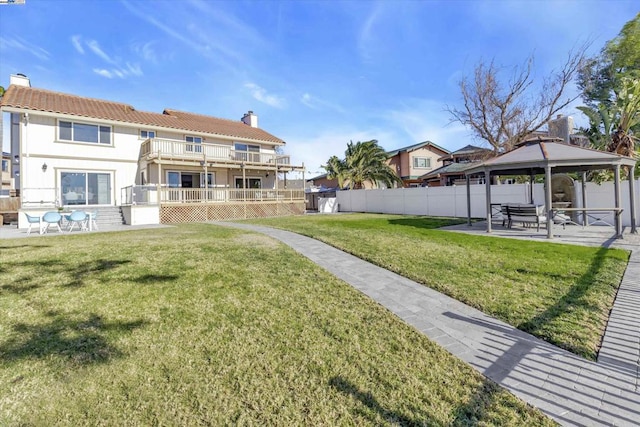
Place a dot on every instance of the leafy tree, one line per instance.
(620, 58)
(611, 89)
(363, 162)
(505, 111)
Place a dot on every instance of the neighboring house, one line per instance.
(80, 153)
(321, 181)
(453, 166)
(411, 162)
(319, 187)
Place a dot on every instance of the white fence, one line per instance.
(452, 201)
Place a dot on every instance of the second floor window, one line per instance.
(421, 162)
(246, 152)
(83, 132)
(194, 143)
(147, 134)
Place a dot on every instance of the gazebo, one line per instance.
(545, 156)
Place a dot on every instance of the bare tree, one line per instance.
(506, 112)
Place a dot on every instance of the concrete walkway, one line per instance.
(571, 390)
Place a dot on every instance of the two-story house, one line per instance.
(415, 160)
(75, 152)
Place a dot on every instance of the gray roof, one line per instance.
(452, 168)
(415, 147)
(535, 156)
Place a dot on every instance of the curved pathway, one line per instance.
(571, 390)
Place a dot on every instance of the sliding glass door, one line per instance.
(85, 188)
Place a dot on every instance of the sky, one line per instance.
(317, 73)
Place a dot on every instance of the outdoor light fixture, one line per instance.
(267, 174)
(44, 167)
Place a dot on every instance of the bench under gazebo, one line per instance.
(547, 156)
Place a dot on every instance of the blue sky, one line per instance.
(317, 73)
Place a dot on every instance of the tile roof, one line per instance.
(34, 99)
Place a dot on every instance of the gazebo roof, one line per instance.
(535, 155)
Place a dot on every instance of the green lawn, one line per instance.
(202, 325)
(560, 293)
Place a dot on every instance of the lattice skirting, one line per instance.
(200, 212)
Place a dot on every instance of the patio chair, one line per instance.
(92, 220)
(79, 218)
(51, 218)
(33, 220)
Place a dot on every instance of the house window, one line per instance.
(211, 180)
(83, 132)
(248, 182)
(246, 152)
(85, 188)
(422, 162)
(194, 143)
(147, 134)
(5, 165)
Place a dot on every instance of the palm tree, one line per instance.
(612, 126)
(363, 162)
(628, 115)
(335, 169)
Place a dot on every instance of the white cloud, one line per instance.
(75, 40)
(261, 95)
(146, 51)
(315, 150)
(134, 69)
(95, 48)
(427, 120)
(18, 43)
(366, 38)
(219, 40)
(102, 72)
(116, 69)
(317, 103)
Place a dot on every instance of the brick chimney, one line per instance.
(250, 119)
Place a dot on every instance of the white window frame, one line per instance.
(145, 134)
(427, 162)
(248, 154)
(195, 145)
(64, 190)
(74, 141)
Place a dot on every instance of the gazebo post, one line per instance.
(616, 173)
(547, 199)
(487, 186)
(632, 199)
(468, 200)
(532, 178)
(584, 198)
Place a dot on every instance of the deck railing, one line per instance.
(172, 149)
(153, 194)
